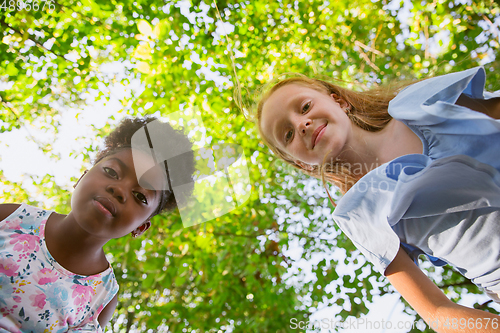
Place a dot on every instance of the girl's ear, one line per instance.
(84, 173)
(342, 102)
(304, 166)
(141, 229)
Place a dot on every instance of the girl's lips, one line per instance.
(319, 135)
(104, 206)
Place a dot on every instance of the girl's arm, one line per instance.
(440, 313)
(490, 107)
(7, 209)
(107, 312)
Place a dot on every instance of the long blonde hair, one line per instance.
(368, 110)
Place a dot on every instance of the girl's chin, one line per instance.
(328, 159)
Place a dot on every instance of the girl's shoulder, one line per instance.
(432, 100)
(29, 215)
(415, 188)
(7, 209)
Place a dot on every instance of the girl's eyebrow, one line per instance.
(290, 104)
(279, 130)
(122, 165)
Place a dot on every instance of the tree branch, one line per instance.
(484, 305)
(368, 48)
(6, 104)
(5, 24)
(457, 284)
(492, 26)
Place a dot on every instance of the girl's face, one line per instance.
(306, 124)
(108, 201)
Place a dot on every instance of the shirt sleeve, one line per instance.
(108, 289)
(412, 186)
(432, 101)
(362, 214)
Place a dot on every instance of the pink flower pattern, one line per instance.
(38, 300)
(81, 294)
(15, 224)
(46, 275)
(24, 242)
(8, 267)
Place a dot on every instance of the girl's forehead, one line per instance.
(289, 88)
(284, 97)
(150, 172)
(276, 108)
(288, 93)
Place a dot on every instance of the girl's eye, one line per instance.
(111, 172)
(288, 136)
(142, 198)
(306, 107)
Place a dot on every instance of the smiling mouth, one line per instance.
(105, 205)
(316, 134)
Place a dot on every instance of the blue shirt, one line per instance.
(444, 202)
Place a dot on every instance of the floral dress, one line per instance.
(38, 292)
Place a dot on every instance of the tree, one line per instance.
(230, 273)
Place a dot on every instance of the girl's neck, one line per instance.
(366, 150)
(72, 248)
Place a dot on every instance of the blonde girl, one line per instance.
(420, 173)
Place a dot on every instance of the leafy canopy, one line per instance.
(232, 273)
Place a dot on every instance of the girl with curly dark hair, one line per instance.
(54, 274)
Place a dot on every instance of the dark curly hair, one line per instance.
(120, 138)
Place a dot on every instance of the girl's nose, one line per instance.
(304, 126)
(117, 192)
